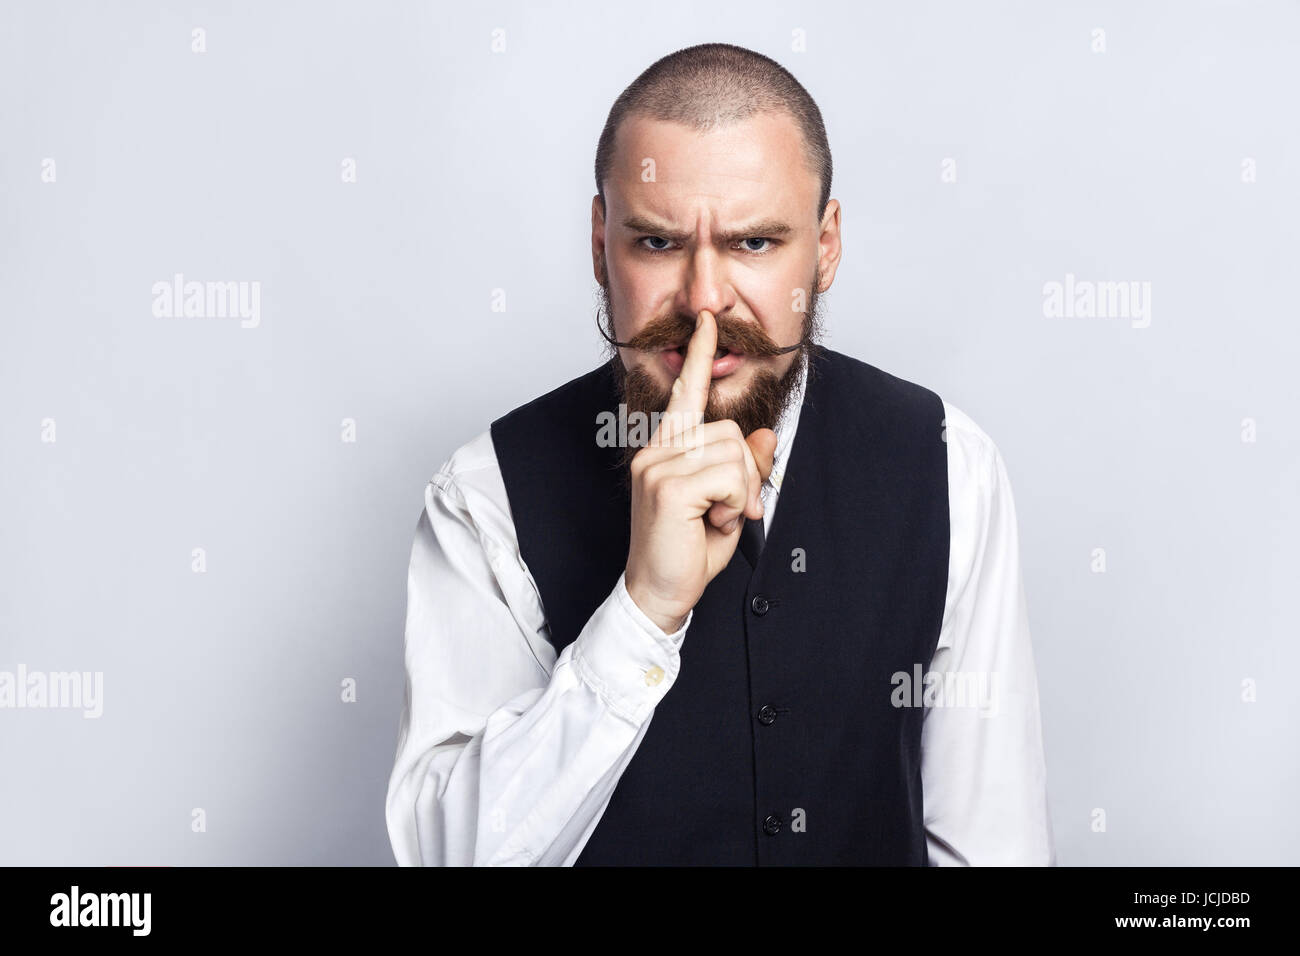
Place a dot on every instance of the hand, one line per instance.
(693, 486)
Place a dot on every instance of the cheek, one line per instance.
(638, 297)
(650, 382)
(771, 298)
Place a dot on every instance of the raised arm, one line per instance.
(508, 755)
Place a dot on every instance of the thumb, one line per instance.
(762, 442)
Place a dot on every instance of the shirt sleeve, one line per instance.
(507, 754)
(982, 763)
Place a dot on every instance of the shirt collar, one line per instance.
(785, 430)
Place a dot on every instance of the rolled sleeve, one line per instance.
(626, 658)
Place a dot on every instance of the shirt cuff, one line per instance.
(626, 658)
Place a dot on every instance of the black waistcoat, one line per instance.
(778, 744)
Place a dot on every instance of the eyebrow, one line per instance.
(764, 227)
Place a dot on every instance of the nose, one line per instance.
(706, 284)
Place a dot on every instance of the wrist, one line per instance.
(666, 620)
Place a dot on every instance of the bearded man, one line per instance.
(743, 637)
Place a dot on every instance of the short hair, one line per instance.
(713, 85)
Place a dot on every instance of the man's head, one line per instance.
(713, 184)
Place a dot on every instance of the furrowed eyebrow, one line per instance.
(756, 230)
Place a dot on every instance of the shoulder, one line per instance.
(980, 499)
(467, 519)
(879, 385)
(983, 543)
(971, 451)
(473, 463)
(469, 483)
(559, 404)
(474, 471)
(889, 413)
(471, 480)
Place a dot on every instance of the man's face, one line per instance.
(724, 221)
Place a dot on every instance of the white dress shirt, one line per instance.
(508, 754)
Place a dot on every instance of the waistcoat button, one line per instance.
(759, 605)
(766, 715)
(772, 825)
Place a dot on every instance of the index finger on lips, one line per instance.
(690, 392)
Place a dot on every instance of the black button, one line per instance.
(760, 605)
(766, 715)
(772, 825)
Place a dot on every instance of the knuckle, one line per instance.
(742, 477)
(641, 462)
(665, 489)
(650, 473)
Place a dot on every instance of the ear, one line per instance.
(830, 248)
(598, 240)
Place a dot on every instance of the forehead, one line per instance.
(756, 166)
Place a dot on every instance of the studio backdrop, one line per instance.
(207, 503)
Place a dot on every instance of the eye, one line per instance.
(651, 249)
(761, 252)
(659, 250)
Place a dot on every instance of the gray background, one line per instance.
(222, 689)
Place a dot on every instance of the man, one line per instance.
(648, 625)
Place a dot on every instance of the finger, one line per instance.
(723, 517)
(700, 456)
(690, 392)
(723, 484)
(697, 457)
(726, 428)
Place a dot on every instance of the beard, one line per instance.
(763, 401)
